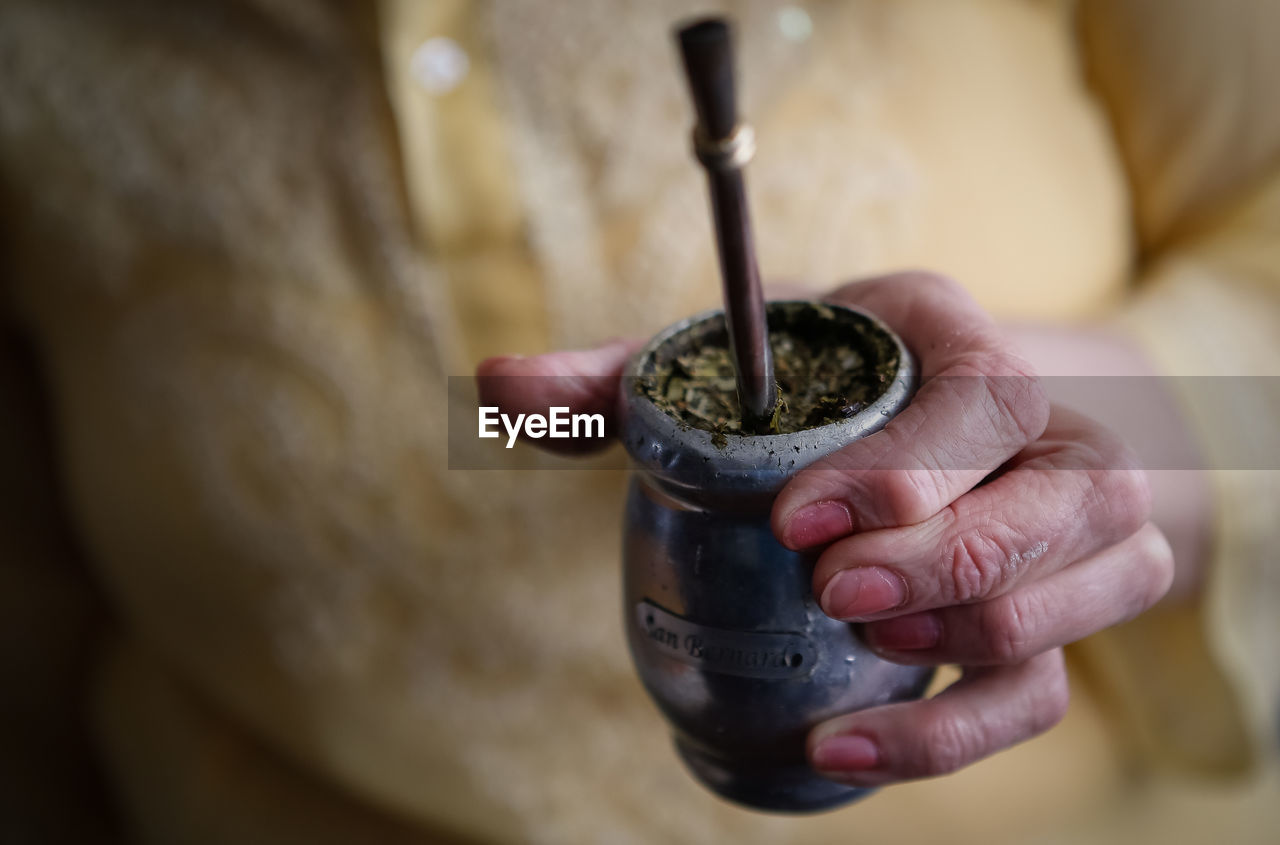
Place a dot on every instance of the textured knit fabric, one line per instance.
(249, 245)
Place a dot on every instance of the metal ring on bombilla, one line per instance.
(730, 153)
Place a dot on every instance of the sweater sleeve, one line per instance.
(1189, 87)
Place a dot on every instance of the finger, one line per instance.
(978, 405)
(586, 381)
(1107, 589)
(984, 712)
(1074, 492)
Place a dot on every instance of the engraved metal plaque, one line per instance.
(750, 654)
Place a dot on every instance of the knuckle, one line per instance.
(907, 497)
(1006, 629)
(948, 744)
(916, 284)
(1011, 392)
(976, 565)
(1018, 396)
(1127, 494)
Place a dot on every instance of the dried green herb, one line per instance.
(827, 371)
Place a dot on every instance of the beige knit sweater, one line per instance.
(249, 241)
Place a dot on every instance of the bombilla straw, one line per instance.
(724, 145)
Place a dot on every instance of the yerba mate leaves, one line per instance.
(820, 381)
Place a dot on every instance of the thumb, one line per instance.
(586, 381)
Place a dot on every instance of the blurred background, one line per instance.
(246, 243)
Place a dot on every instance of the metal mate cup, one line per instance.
(723, 627)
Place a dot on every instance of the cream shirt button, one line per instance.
(439, 65)
(795, 24)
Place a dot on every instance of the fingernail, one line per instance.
(850, 753)
(905, 633)
(862, 591)
(818, 523)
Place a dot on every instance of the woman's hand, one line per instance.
(982, 526)
(943, 568)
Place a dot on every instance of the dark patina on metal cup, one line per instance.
(723, 627)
